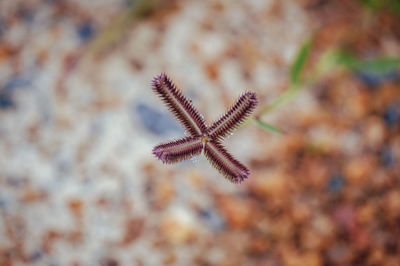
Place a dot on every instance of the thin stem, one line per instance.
(282, 99)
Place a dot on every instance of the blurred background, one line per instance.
(78, 121)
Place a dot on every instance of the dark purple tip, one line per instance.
(158, 152)
(253, 97)
(242, 176)
(159, 80)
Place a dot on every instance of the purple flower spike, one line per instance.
(179, 105)
(231, 168)
(203, 138)
(179, 150)
(234, 117)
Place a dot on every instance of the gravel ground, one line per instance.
(78, 121)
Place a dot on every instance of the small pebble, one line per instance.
(35, 256)
(26, 14)
(392, 115)
(372, 80)
(6, 100)
(155, 121)
(85, 31)
(336, 183)
(387, 157)
(212, 219)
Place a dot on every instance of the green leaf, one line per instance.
(374, 5)
(375, 64)
(299, 62)
(325, 64)
(345, 59)
(378, 5)
(378, 65)
(295, 82)
(267, 126)
(395, 6)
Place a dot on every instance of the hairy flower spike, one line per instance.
(234, 117)
(201, 137)
(225, 163)
(176, 151)
(179, 105)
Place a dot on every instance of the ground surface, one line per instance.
(78, 121)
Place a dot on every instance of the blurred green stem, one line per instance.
(115, 31)
(281, 100)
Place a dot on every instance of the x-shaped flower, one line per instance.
(200, 136)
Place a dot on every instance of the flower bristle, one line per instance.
(179, 105)
(226, 164)
(234, 117)
(178, 150)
